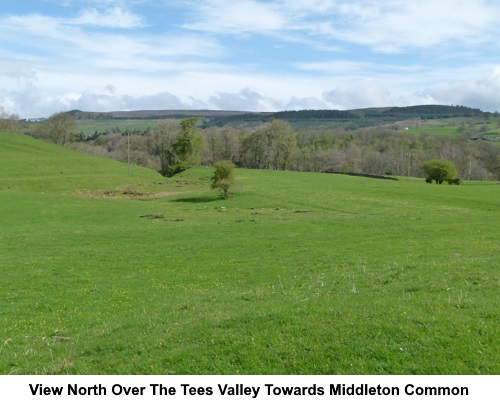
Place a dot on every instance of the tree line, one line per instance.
(274, 145)
(350, 119)
(10, 122)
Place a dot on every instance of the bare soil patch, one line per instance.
(126, 193)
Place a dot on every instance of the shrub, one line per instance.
(177, 168)
(223, 177)
(439, 170)
(456, 181)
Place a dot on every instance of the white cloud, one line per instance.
(366, 93)
(31, 102)
(34, 101)
(69, 48)
(483, 93)
(109, 99)
(249, 55)
(236, 17)
(115, 17)
(395, 25)
(245, 100)
(384, 26)
(342, 67)
(306, 103)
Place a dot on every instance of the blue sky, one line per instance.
(249, 55)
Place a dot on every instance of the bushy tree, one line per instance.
(61, 128)
(439, 170)
(161, 144)
(271, 146)
(280, 144)
(188, 144)
(223, 177)
(186, 147)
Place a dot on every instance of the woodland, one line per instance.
(378, 141)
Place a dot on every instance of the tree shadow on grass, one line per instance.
(199, 199)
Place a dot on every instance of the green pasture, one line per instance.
(450, 126)
(435, 130)
(103, 272)
(31, 165)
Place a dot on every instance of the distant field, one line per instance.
(439, 127)
(89, 127)
(298, 273)
(450, 127)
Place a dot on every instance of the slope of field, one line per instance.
(33, 165)
(298, 273)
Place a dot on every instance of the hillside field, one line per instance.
(103, 272)
(445, 120)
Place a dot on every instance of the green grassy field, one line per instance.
(298, 273)
(450, 126)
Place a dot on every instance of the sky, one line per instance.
(247, 55)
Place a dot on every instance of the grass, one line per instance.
(298, 273)
(450, 126)
(32, 165)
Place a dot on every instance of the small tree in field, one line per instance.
(223, 177)
(439, 170)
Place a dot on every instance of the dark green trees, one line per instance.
(270, 147)
(188, 144)
(177, 147)
(161, 143)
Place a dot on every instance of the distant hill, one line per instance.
(154, 114)
(352, 119)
